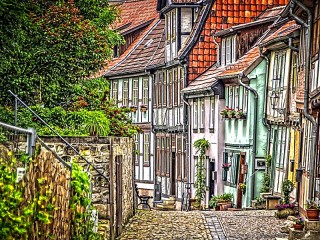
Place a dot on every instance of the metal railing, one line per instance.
(17, 99)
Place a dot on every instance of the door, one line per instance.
(118, 194)
(212, 178)
(173, 174)
(241, 172)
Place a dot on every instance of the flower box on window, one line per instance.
(143, 108)
(240, 114)
(133, 108)
(226, 166)
(228, 113)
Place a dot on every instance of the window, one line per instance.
(212, 107)
(158, 157)
(228, 50)
(278, 70)
(115, 91)
(185, 161)
(146, 149)
(175, 79)
(170, 89)
(136, 148)
(315, 71)
(156, 87)
(167, 155)
(195, 114)
(164, 89)
(135, 92)
(125, 93)
(163, 156)
(231, 175)
(181, 84)
(294, 71)
(179, 157)
(202, 113)
(237, 98)
(145, 98)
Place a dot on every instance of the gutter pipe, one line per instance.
(308, 116)
(292, 47)
(264, 119)
(255, 119)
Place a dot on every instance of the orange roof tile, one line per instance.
(242, 64)
(136, 13)
(282, 32)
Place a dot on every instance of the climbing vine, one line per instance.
(201, 145)
(266, 184)
(18, 216)
(80, 205)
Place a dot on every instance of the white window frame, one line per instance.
(212, 112)
(201, 113)
(115, 85)
(195, 114)
(125, 92)
(135, 92)
(145, 93)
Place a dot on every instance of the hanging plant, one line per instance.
(201, 146)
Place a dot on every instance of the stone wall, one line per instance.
(100, 152)
(105, 153)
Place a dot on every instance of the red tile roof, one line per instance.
(281, 33)
(184, 1)
(271, 12)
(222, 15)
(136, 13)
(242, 64)
(142, 53)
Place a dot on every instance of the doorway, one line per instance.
(212, 178)
(173, 174)
(241, 172)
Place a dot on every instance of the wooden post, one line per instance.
(111, 192)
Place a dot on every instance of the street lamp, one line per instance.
(274, 101)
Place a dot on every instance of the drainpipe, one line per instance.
(154, 142)
(309, 117)
(293, 48)
(254, 143)
(264, 119)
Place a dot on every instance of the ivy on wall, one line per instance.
(201, 146)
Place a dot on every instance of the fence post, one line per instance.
(31, 141)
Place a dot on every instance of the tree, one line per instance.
(48, 46)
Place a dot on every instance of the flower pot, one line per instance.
(133, 109)
(284, 213)
(143, 109)
(230, 116)
(313, 214)
(224, 206)
(298, 226)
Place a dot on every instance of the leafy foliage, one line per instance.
(87, 113)
(17, 216)
(201, 146)
(80, 205)
(266, 183)
(48, 46)
(287, 188)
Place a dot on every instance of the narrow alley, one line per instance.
(232, 225)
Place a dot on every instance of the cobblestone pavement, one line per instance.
(250, 225)
(213, 225)
(157, 225)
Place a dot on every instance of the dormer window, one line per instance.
(228, 50)
(171, 35)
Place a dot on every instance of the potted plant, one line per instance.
(298, 223)
(225, 201)
(240, 114)
(231, 113)
(285, 210)
(213, 202)
(226, 166)
(312, 210)
(143, 107)
(224, 112)
(133, 108)
(243, 187)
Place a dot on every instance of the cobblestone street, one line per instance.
(167, 225)
(250, 225)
